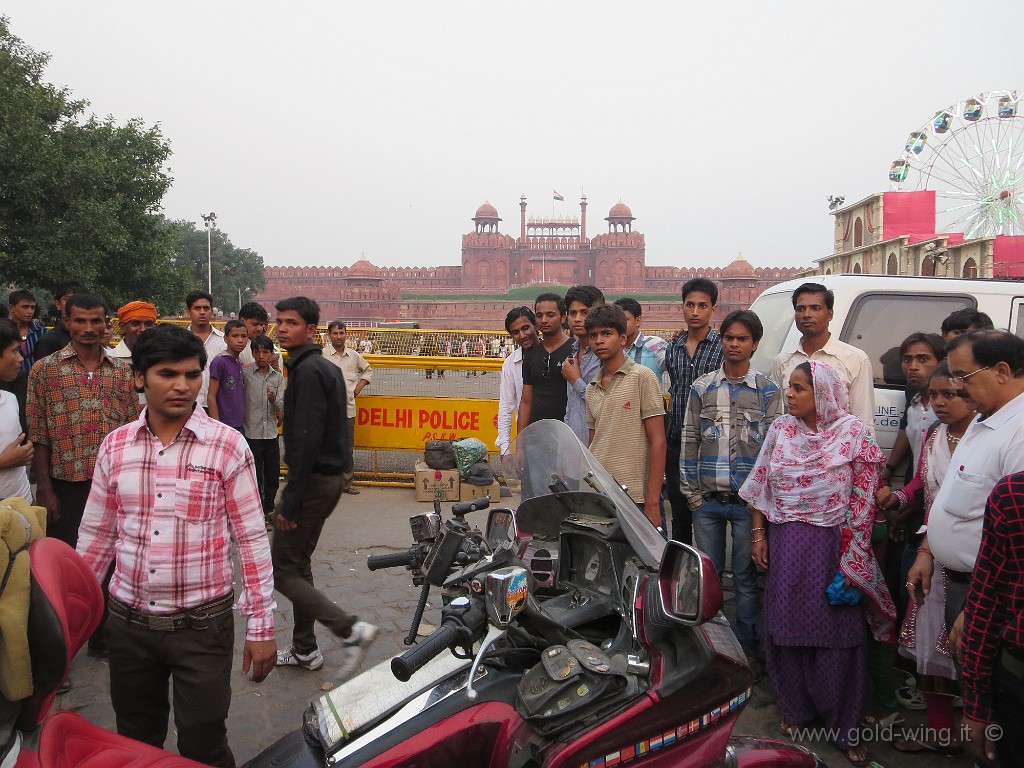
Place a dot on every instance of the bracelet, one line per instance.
(924, 548)
(758, 541)
(756, 529)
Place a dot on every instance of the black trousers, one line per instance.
(682, 518)
(72, 497)
(292, 552)
(1008, 703)
(267, 454)
(143, 660)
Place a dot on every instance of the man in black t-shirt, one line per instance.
(544, 392)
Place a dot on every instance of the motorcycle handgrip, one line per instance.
(416, 657)
(375, 562)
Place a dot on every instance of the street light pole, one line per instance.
(210, 219)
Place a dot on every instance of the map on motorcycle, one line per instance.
(376, 693)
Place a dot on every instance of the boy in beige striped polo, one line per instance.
(625, 413)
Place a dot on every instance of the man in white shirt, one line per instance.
(989, 366)
(521, 324)
(812, 306)
(357, 374)
(200, 309)
(15, 450)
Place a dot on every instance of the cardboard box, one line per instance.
(470, 492)
(436, 484)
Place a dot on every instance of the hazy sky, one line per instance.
(322, 131)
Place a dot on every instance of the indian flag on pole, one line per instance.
(558, 196)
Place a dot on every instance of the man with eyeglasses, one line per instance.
(989, 366)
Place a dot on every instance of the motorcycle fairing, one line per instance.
(408, 730)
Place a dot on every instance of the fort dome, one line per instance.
(363, 268)
(486, 211)
(620, 211)
(739, 268)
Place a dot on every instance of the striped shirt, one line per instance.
(649, 351)
(169, 513)
(723, 431)
(683, 370)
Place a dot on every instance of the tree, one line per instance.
(79, 195)
(237, 272)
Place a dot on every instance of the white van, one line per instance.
(876, 313)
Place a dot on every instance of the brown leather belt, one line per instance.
(194, 618)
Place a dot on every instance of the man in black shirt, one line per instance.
(544, 392)
(317, 449)
(58, 337)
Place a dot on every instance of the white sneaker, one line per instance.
(289, 657)
(355, 646)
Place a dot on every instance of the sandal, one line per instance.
(789, 731)
(858, 756)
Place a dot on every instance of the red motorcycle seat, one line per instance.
(68, 740)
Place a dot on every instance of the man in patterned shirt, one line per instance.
(695, 352)
(75, 397)
(171, 491)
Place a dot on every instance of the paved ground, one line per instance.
(374, 522)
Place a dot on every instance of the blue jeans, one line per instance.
(709, 528)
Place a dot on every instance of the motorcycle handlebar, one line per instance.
(416, 657)
(376, 562)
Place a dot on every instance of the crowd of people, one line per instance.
(151, 457)
(785, 463)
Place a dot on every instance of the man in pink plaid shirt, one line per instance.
(170, 492)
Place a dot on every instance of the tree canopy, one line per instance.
(80, 197)
(237, 272)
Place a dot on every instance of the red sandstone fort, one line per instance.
(548, 251)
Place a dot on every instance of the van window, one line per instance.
(775, 311)
(878, 324)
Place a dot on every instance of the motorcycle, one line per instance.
(572, 636)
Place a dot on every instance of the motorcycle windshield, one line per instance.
(550, 460)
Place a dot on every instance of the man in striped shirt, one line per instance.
(170, 492)
(727, 415)
(695, 352)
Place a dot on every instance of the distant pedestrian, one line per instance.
(264, 408)
(174, 490)
(625, 413)
(227, 381)
(727, 417)
(317, 453)
(694, 353)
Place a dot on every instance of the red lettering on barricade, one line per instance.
(363, 416)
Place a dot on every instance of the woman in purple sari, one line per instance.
(812, 494)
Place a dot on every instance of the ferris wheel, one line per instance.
(971, 154)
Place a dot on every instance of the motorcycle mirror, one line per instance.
(506, 591)
(425, 526)
(689, 586)
(500, 529)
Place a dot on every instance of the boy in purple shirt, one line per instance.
(227, 381)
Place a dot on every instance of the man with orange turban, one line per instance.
(134, 318)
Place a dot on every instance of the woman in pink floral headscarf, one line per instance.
(814, 483)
